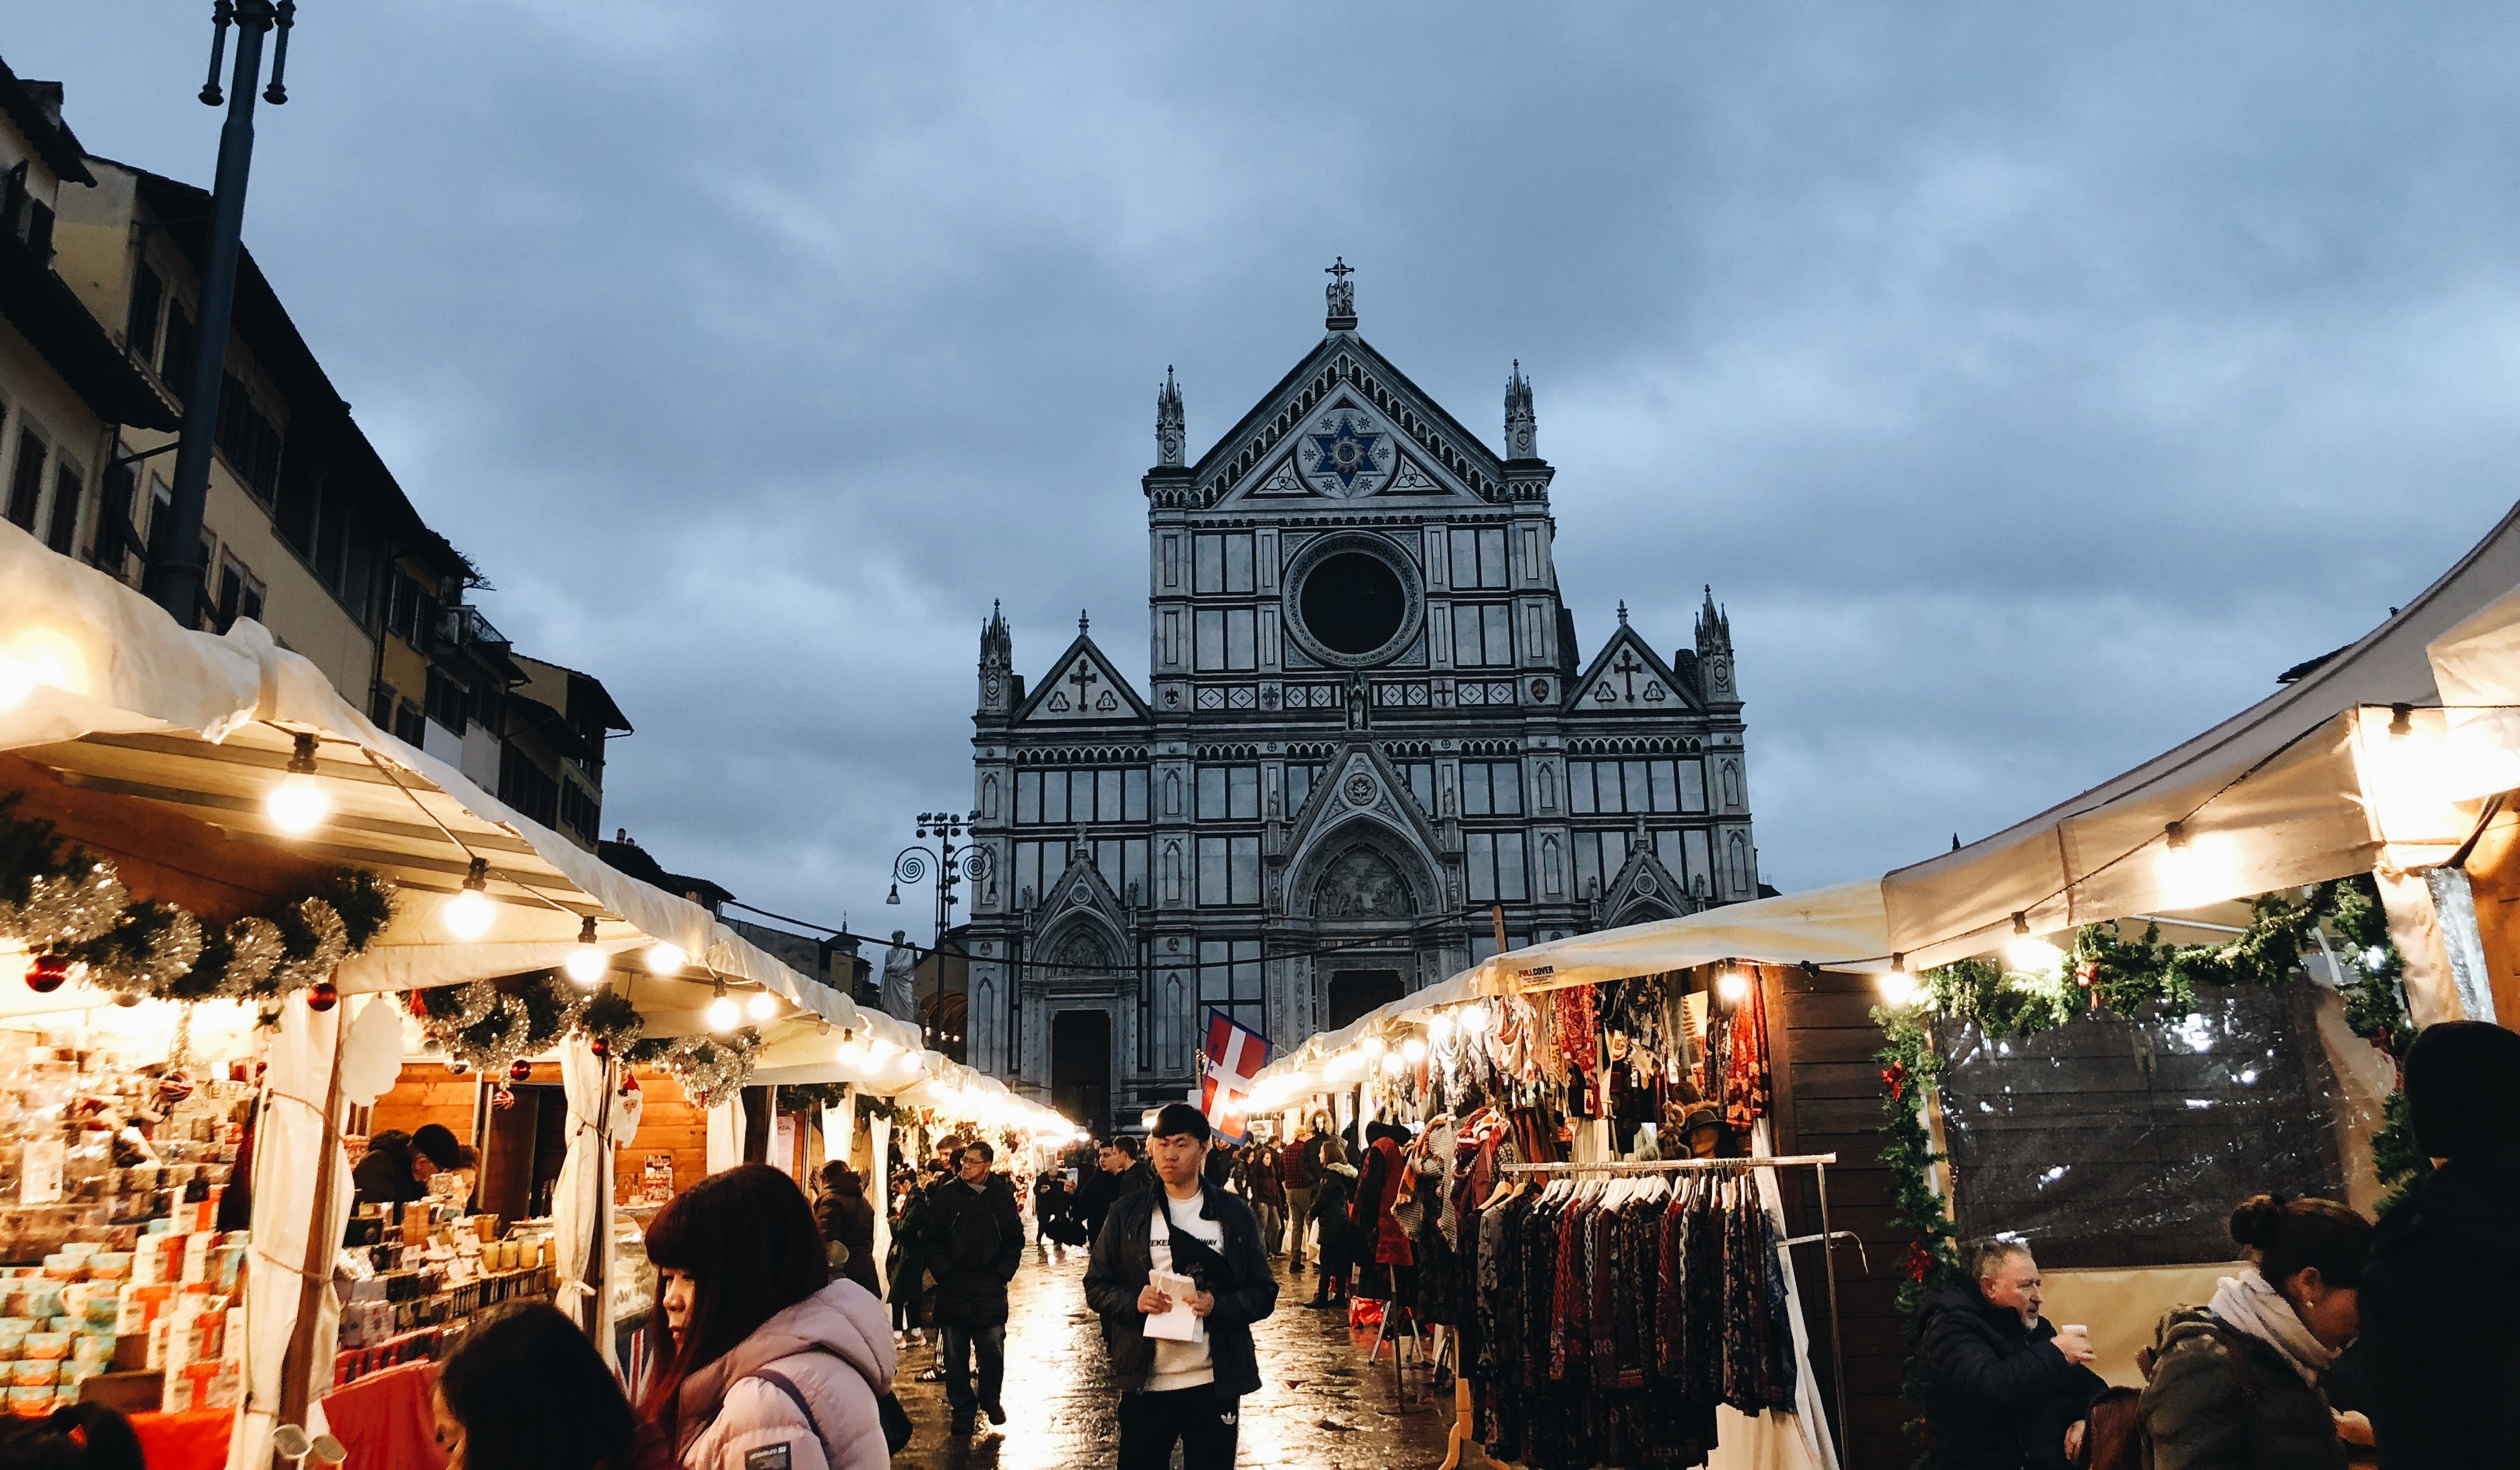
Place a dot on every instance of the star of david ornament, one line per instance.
(1349, 457)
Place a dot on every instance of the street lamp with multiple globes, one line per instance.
(911, 864)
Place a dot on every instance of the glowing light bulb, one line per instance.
(586, 965)
(723, 1012)
(38, 657)
(1899, 988)
(879, 1049)
(1439, 1026)
(297, 804)
(468, 914)
(1413, 1051)
(1478, 1018)
(911, 1065)
(1734, 987)
(666, 958)
(2032, 955)
(852, 1052)
(1375, 1045)
(1392, 1065)
(762, 1006)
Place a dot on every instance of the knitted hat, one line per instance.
(2464, 1088)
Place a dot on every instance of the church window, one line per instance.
(1599, 857)
(1491, 788)
(1612, 787)
(1496, 868)
(1483, 942)
(1299, 785)
(1027, 798)
(1240, 641)
(1228, 979)
(1701, 866)
(1228, 871)
(1106, 798)
(1478, 559)
(1229, 793)
(1420, 776)
(1133, 797)
(1482, 634)
(1054, 796)
(1037, 865)
(1353, 603)
(1667, 848)
(1221, 563)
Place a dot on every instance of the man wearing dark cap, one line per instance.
(2440, 1299)
(397, 1167)
(1174, 1392)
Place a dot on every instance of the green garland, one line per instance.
(2105, 974)
(70, 909)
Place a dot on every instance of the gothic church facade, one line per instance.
(1367, 724)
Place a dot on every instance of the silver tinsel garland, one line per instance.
(61, 911)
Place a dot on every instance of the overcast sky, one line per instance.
(2033, 382)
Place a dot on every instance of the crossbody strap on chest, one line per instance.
(796, 1395)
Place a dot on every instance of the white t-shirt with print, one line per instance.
(1181, 1365)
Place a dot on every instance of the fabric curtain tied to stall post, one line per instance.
(601, 1121)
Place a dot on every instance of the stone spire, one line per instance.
(1341, 294)
(1521, 426)
(1171, 435)
(1714, 652)
(999, 689)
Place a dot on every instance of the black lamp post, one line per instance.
(176, 574)
(912, 863)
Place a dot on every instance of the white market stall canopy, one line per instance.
(2325, 779)
(102, 689)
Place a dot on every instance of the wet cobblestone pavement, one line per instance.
(1319, 1403)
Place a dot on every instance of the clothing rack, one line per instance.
(1817, 1164)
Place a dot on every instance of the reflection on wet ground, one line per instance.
(1319, 1403)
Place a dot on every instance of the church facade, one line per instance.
(1366, 725)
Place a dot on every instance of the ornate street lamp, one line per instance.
(912, 863)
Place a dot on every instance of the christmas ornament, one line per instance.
(501, 1097)
(48, 972)
(521, 1070)
(598, 1046)
(174, 1087)
(323, 996)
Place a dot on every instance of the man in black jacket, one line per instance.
(2439, 1298)
(2004, 1388)
(1172, 1392)
(974, 1243)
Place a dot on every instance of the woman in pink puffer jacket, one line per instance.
(761, 1364)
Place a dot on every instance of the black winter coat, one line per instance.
(1123, 1259)
(2439, 1305)
(1330, 1207)
(974, 1243)
(1998, 1396)
(2221, 1399)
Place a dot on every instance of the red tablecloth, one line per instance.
(194, 1440)
(384, 1420)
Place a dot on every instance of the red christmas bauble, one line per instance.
(501, 1097)
(323, 996)
(48, 973)
(521, 1071)
(598, 1046)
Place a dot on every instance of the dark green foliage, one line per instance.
(365, 901)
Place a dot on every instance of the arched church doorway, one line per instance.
(1080, 1068)
(1352, 993)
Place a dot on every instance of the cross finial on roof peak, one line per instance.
(1342, 296)
(1623, 612)
(1340, 268)
(1082, 622)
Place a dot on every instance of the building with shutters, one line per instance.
(1366, 723)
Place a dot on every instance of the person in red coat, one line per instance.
(1377, 1188)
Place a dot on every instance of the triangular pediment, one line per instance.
(1082, 890)
(1081, 688)
(1361, 782)
(1628, 675)
(1644, 890)
(1346, 425)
